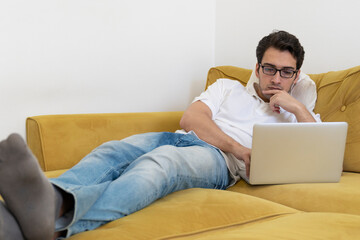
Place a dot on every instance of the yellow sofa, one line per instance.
(288, 211)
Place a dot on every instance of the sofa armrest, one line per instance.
(61, 141)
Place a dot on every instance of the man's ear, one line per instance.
(257, 70)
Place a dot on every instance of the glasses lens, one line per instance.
(269, 70)
(286, 73)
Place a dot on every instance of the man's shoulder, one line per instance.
(305, 80)
(229, 83)
(305, 91)
(305, 86)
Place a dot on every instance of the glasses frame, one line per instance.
(278, 70)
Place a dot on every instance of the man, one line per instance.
(121, 177)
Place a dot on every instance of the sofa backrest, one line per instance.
(61, 141)
(338, 100)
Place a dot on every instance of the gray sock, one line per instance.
(9, 228)
(28, 194)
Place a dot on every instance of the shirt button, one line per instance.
(343, 108)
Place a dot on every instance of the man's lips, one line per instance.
(271, 88)
(274, 88)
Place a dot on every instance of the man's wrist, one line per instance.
(303, 115)
(235, 147)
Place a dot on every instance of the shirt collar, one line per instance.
(250, 86)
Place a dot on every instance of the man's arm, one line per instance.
(287, 102)
(198, 117)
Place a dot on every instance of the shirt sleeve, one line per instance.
(305, 92)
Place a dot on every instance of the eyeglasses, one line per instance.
(271, 71)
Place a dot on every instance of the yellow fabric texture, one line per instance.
(295, 226)
(216, 214)
(338, 100)
(342, 197)
(61, 141)
(230, 72)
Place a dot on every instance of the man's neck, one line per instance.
(257, 90)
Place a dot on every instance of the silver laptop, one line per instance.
(297, 152)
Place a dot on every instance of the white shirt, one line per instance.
(235, 109)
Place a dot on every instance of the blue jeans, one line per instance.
(122, 177)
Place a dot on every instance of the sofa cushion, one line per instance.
(338, 100)
(230, 72)
(54, 173)
(189, 211)
(342, 197)
(297, 226)
(61, 141)
(216, 214)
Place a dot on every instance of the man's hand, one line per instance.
(243, 153)
(281, 98)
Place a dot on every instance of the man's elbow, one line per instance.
(196, 114)
(184, 121)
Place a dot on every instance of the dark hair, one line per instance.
(282, 41)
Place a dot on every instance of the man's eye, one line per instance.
(287, 73)
(269, 69)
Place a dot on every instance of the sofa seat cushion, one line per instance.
(342, 197)
(187, 212)
(54, 173)
(216, 214)
(295, 226)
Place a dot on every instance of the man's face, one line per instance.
(275, 58)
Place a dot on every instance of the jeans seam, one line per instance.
(104, 175)
(181, 140)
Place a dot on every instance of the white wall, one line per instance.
(94, 56)
(327, 29)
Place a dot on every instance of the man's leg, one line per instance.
(154, 175)
(32, 199)
(84, 183)
(87, 181)
(27, 193)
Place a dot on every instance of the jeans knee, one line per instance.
(159, 165)
(166, 156)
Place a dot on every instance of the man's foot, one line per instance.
(28, 194)
(9, 228)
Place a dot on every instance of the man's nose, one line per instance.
(276, 79)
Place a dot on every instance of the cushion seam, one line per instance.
(196, 232)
